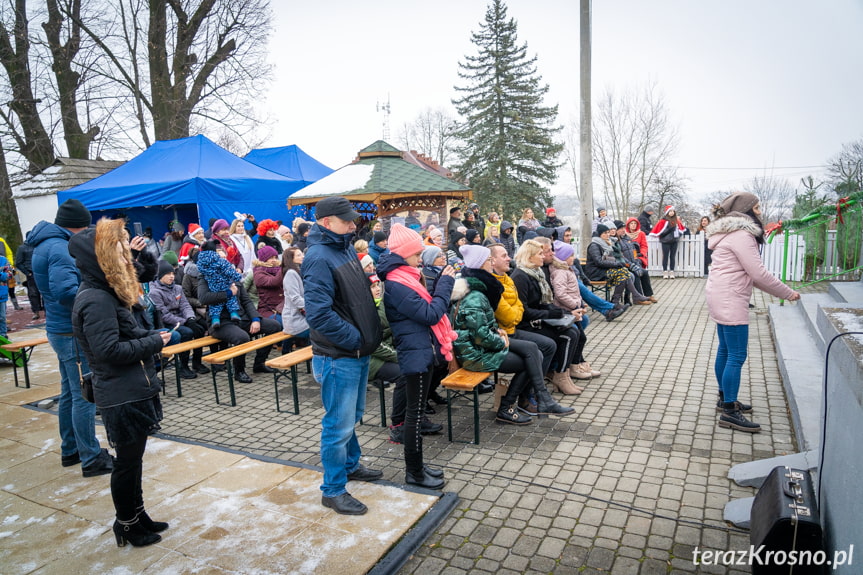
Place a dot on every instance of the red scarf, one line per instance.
(442, 330)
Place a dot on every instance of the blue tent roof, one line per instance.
(190, 171)
(289, 161)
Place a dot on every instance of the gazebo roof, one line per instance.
(381, 175)
(63, 174)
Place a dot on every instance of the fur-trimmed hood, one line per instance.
(733, 222)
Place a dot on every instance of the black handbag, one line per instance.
(561, 323)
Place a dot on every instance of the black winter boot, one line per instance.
(733, 419)
(149, 524)
(134, 532)
(742, 407)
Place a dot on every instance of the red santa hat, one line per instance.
(668, 209)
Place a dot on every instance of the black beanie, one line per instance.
(73, 214)
(164, 268)
(379, 237)
(210, 246)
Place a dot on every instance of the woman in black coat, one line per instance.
(422, 335)
(120, 355)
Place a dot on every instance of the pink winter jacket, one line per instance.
(564, 284)
(736, 268)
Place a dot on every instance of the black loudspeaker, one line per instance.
(786, 523)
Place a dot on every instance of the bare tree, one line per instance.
(182, 65)
(845, 170)
(632, 139)
(433, 133)
(776, 196)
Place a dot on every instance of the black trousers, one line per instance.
(642, 284)
(416, 391)
(400, 399)
(570, 345)
(236, 333)
(525, 361)
(669, 256)
(126, 489)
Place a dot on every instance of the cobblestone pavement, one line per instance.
(632, 485)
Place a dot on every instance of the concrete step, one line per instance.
(848, 292)
(801, 365)
(809, 305)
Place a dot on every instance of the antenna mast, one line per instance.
(385, 108)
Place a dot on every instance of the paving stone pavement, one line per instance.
(632, 485)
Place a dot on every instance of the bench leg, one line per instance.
(229, 367)
(294, 389)
(177, 373)
(449, 399)
(383, 405)
(276, 388)
(476, 415)
(215, 387)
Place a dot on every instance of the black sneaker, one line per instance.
(614, 313)
(437, 398)
(428, 427)
(733, 419)
(486, 387)
(103, 465)
(243, 377)
(512, 416)
(397, 433)
(201, 368)
(70, 460)
(187, 373)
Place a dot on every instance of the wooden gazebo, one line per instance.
(382, 183)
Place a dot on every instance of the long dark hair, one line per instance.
(288, 262)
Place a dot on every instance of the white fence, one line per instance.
(690, 256)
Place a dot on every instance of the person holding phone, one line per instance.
(416, 318)
(120, 356)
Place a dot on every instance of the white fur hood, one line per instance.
(731, 223)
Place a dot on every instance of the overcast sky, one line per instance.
(755, 87)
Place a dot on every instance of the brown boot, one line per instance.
(563, 384)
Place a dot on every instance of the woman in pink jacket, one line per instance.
(735, 237)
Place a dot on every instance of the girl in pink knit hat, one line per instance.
(423, 337)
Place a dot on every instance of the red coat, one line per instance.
(640, 239)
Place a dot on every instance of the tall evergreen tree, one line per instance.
(509, 155)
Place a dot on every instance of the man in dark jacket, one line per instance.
(236, 332)
(57, 278)
(345, 330)
(644, 219)
(24, 263)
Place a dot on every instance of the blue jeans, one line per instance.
(3, 328)
(343, 392)
(733, 340)
(77, 415)
(603, 306)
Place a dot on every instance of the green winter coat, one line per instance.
(386, 351)
(479, 346)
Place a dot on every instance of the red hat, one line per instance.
(668, 209)
(404, 241)
(549, 211)
(193, 227)
(266, 226)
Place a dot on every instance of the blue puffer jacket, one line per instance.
(339, 306)
(56, 275)
(411, 317)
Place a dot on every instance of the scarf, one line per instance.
(604, 246)
(536, 273)
(442, 330)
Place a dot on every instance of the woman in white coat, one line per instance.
(735, 237)
(294, 312)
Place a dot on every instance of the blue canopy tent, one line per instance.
(185, 173)
(289, 161)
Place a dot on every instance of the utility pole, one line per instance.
(585, 144)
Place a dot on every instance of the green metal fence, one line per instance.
(826, 245)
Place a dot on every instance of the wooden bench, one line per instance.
(597, 285)
(20, 353)
(178, 348)
(286, 366)
(464, 383)
(223, 357)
